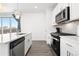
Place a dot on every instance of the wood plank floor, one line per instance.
(40, 48)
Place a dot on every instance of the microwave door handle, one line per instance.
(62, 15)
(65, 13)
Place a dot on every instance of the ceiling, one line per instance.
(26, 7)
(30, 7)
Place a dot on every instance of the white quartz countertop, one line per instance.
(13, 37)
(71, 37)
(74, 39)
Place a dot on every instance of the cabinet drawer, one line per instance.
(29, 36)
(74, 8)
(72, 49)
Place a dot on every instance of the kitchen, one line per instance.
(25, 27)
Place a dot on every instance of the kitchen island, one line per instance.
(17, 46)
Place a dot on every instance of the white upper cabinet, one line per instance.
(63, 6)
(74, 9)
(53, 16)
(54, 13)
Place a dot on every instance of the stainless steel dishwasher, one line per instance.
(17, 47)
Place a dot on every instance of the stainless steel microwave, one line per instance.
(64, 15)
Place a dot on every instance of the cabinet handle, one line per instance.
(67, 53)
(68, 44)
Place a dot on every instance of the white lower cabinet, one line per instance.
(5, 47)
(63, 51)
(28, 42)
(4, 50)
(69, 50)
(69, 46)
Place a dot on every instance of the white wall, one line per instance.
(49, 27)
(37, 23)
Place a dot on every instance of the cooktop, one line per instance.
(62, 34)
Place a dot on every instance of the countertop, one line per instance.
(14, 37)
(62, 34)
(74, 39)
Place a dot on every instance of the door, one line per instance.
(63, 51)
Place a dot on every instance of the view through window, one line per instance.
(0, 30)
(8, 25)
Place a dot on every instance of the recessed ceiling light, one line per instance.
(36, 7)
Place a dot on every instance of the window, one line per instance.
(0, 25)
(8, 28)
(14, 25)
(6, 25)
(0, 30)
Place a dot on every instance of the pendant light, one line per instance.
(17, 12)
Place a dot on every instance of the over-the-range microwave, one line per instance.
(64, 15)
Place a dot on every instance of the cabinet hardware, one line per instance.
(68, 44)
(67, 53)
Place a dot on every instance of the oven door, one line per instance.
(56, 46)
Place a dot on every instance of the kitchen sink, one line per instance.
(21, 33)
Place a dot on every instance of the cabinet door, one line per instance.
(63, 51)
(70, 49)
(26, 44)
(69, 53)
(69, 46)
(53, 18)
(54, 13)
(72, 52)
(63, 6)
(74, 9)
(4, 50)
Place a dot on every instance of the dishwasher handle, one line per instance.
(16, 42)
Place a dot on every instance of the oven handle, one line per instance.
(56, 39)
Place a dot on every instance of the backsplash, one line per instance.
(70, 27)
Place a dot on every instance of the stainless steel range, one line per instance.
(56, 39)
(56, 44)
